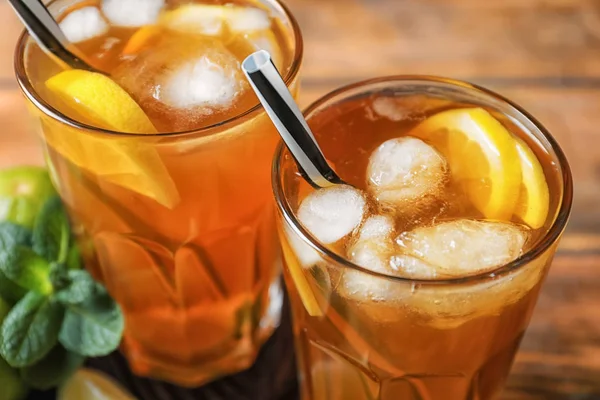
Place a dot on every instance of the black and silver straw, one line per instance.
(288, 119)
(46, 32)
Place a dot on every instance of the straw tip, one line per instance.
(256, 61)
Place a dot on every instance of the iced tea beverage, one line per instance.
(418, 279)
(163, 163)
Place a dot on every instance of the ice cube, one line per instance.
(376, 226)
(388, 108)
(461, 247)
(132, 13)
(206, 19)
(412, 267)
(183, 81)
(406, 173)
(83, 24)
(201, 82)
(403, 108)
(203, 19)
(246, 19)
(371, 250)
(332, 213)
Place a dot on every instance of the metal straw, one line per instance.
(287, 118)
(46, 32)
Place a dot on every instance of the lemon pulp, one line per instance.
(534, 197)
(481, 154)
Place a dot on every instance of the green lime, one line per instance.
(10, 382)
(87, 384)
(23, 191)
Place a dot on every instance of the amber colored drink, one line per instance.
(175, 218)
(428, 293)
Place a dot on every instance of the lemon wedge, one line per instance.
(297, 272)
(534, 199)
(481, 154)
(132, 163)
(98, 99)
(141, 39)
(87, 384)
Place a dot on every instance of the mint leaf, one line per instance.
(11, 292)
(13, 234)
(51, 232)
(81, 287)
(94, 327)
(52, 370)
(30, 330)
(27, 269)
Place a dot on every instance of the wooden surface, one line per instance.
(543, 54)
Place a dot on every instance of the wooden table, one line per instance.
(544, 54)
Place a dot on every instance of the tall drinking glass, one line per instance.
(376, 315)
(178, 225)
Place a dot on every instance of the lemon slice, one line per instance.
(141, 39)
(87, 384)
(132, 163)
(297, 273)
(482, 157)
(98, 99)
(534, 198)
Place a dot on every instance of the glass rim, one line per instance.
(32, 95)
(550, 237)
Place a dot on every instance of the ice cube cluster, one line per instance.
(404, 173)
(192, 68)
(182, 79)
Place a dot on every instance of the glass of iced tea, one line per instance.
(164, 165)
(418, 279)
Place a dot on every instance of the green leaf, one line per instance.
(74, 258)
(94, 327)
(81, 288)
(12, 234)
(27, 269)
(10, 290)
(52, 370)
(30, 330)
(51, 232)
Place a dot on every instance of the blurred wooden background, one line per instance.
(543, 54)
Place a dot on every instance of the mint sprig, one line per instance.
(61, 315)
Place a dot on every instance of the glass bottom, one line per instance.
(231, 355)
(271, 377)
